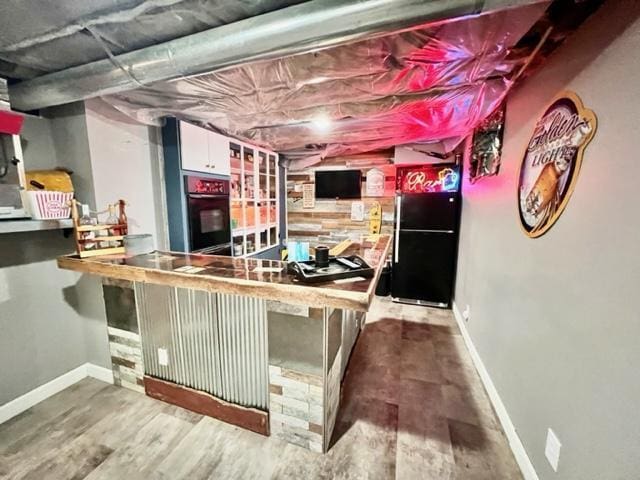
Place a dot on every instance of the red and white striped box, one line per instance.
(46, 205)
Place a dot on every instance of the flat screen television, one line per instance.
(338, 183)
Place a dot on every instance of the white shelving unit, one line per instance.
(254, 198)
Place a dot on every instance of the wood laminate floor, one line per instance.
(413, 408)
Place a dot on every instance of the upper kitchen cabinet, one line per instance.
(203, 151)
(219, 161)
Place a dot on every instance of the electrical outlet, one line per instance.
(163, 357)
(467, 313)
(552, 449)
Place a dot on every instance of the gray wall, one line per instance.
(42, 334)
(126, 163)
(51, 320)
(554, 319)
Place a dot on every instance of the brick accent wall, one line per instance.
(126, 359)
(124, 337)
(329, 222)
(296, 412)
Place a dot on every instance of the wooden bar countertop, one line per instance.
(240, 276)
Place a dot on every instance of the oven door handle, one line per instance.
(214, 249)
(204, 195)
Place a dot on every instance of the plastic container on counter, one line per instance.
(138, 244)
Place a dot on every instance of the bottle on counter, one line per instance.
(87, 219)
(113, 219)
(122, 215)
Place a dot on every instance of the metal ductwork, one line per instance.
(310, 25)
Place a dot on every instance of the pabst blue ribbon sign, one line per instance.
(552, 162)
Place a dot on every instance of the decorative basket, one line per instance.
(47, 205)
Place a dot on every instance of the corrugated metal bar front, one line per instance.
(216, 343)
(243, 349)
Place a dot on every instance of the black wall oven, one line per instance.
(208, 215)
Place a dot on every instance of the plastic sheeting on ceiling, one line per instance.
(41, 36)
(423, 85)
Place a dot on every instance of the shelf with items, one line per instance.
(94, 239)
(254, 185)
(263, 187)
(262, 162)
(273, 192)
(242, 231)
(238, 246)
(250, 242)
(235, 192)
(235, 159)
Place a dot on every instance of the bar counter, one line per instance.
(255, 278)
(236, 339)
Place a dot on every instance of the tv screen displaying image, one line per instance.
(338, 183)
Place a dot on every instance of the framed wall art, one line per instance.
(486, 149)
(552, 162)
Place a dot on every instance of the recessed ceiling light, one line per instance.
(322, 123)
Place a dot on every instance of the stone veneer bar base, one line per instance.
(296, 402)
(310, 348)
(305, 371)
(125, 344)
(126, 359)
(300, 412)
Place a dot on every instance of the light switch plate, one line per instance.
(552, 449)
(163, 357)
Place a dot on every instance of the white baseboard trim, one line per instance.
(99, 373)
(517, 448)
(38, 394)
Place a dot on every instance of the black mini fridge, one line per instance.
(426, 235)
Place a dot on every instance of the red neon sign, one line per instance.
(428, 179)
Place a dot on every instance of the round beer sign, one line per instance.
(552, 161)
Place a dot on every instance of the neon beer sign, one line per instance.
(428, 179)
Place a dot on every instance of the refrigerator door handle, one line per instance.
(428, 231)
(397, 235)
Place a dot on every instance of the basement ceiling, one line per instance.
(431, 83)
(423, 85)
(41, 36)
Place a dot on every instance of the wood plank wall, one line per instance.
(330, 221)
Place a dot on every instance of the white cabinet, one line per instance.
(218, 154)
(203, 151)
(194, 147)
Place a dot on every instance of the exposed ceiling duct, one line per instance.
(310, 25)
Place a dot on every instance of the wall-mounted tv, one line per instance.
(338, 183)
